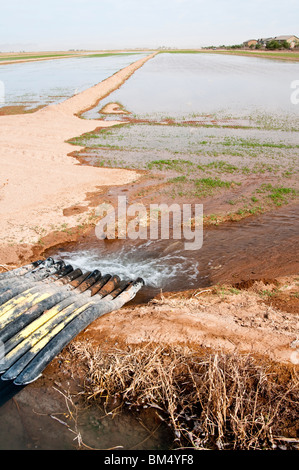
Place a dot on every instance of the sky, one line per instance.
(35, 25)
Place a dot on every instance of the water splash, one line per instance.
(159, 267)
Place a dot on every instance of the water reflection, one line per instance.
(52, 81)
(179, 85)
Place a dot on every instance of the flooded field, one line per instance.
(229, 171)
(192, 86)
(242, 161)
(192, 140)
(35, 84)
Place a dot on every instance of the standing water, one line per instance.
(51, 81)
(185, 85)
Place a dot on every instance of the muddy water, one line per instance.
(181, 85)
(37, 418)
(257, 247)
(52, 81)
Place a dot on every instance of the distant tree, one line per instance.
(285, 45)
(273, 44)
(235, 46)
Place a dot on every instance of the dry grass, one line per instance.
(210, 401)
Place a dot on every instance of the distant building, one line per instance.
(263, 41)
(292, 40)
(250, 42)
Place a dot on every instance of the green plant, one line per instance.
(222, 166)
(273, 44)
(175, 164)
(178, 179)
(278, 194)
(213, 183)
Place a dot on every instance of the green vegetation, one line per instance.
(221, 166)
(63, 54)
(40, 56)
(274, 45)
(278, 194)
(180, 51)
(198, 164)
(176, 140)
(181, 186)
(178, 179)
(228, 141)
(109, 54)
(272, 122)
(270, 53)
(177, 165)
(267, 54)
(213, 183)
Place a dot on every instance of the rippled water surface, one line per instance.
(180, 85)
(51, 81)
(229, 252)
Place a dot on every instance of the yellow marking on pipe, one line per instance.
(23, 297)
(15, 301)
(11, 314)
(44, 318)
(19, 299)
(37, 343)
(43, 342)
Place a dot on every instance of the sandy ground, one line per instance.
(38, 179)
(113, 108)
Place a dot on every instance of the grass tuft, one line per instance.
(213, 183)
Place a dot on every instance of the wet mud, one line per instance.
(236, 252)
(49, 414)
